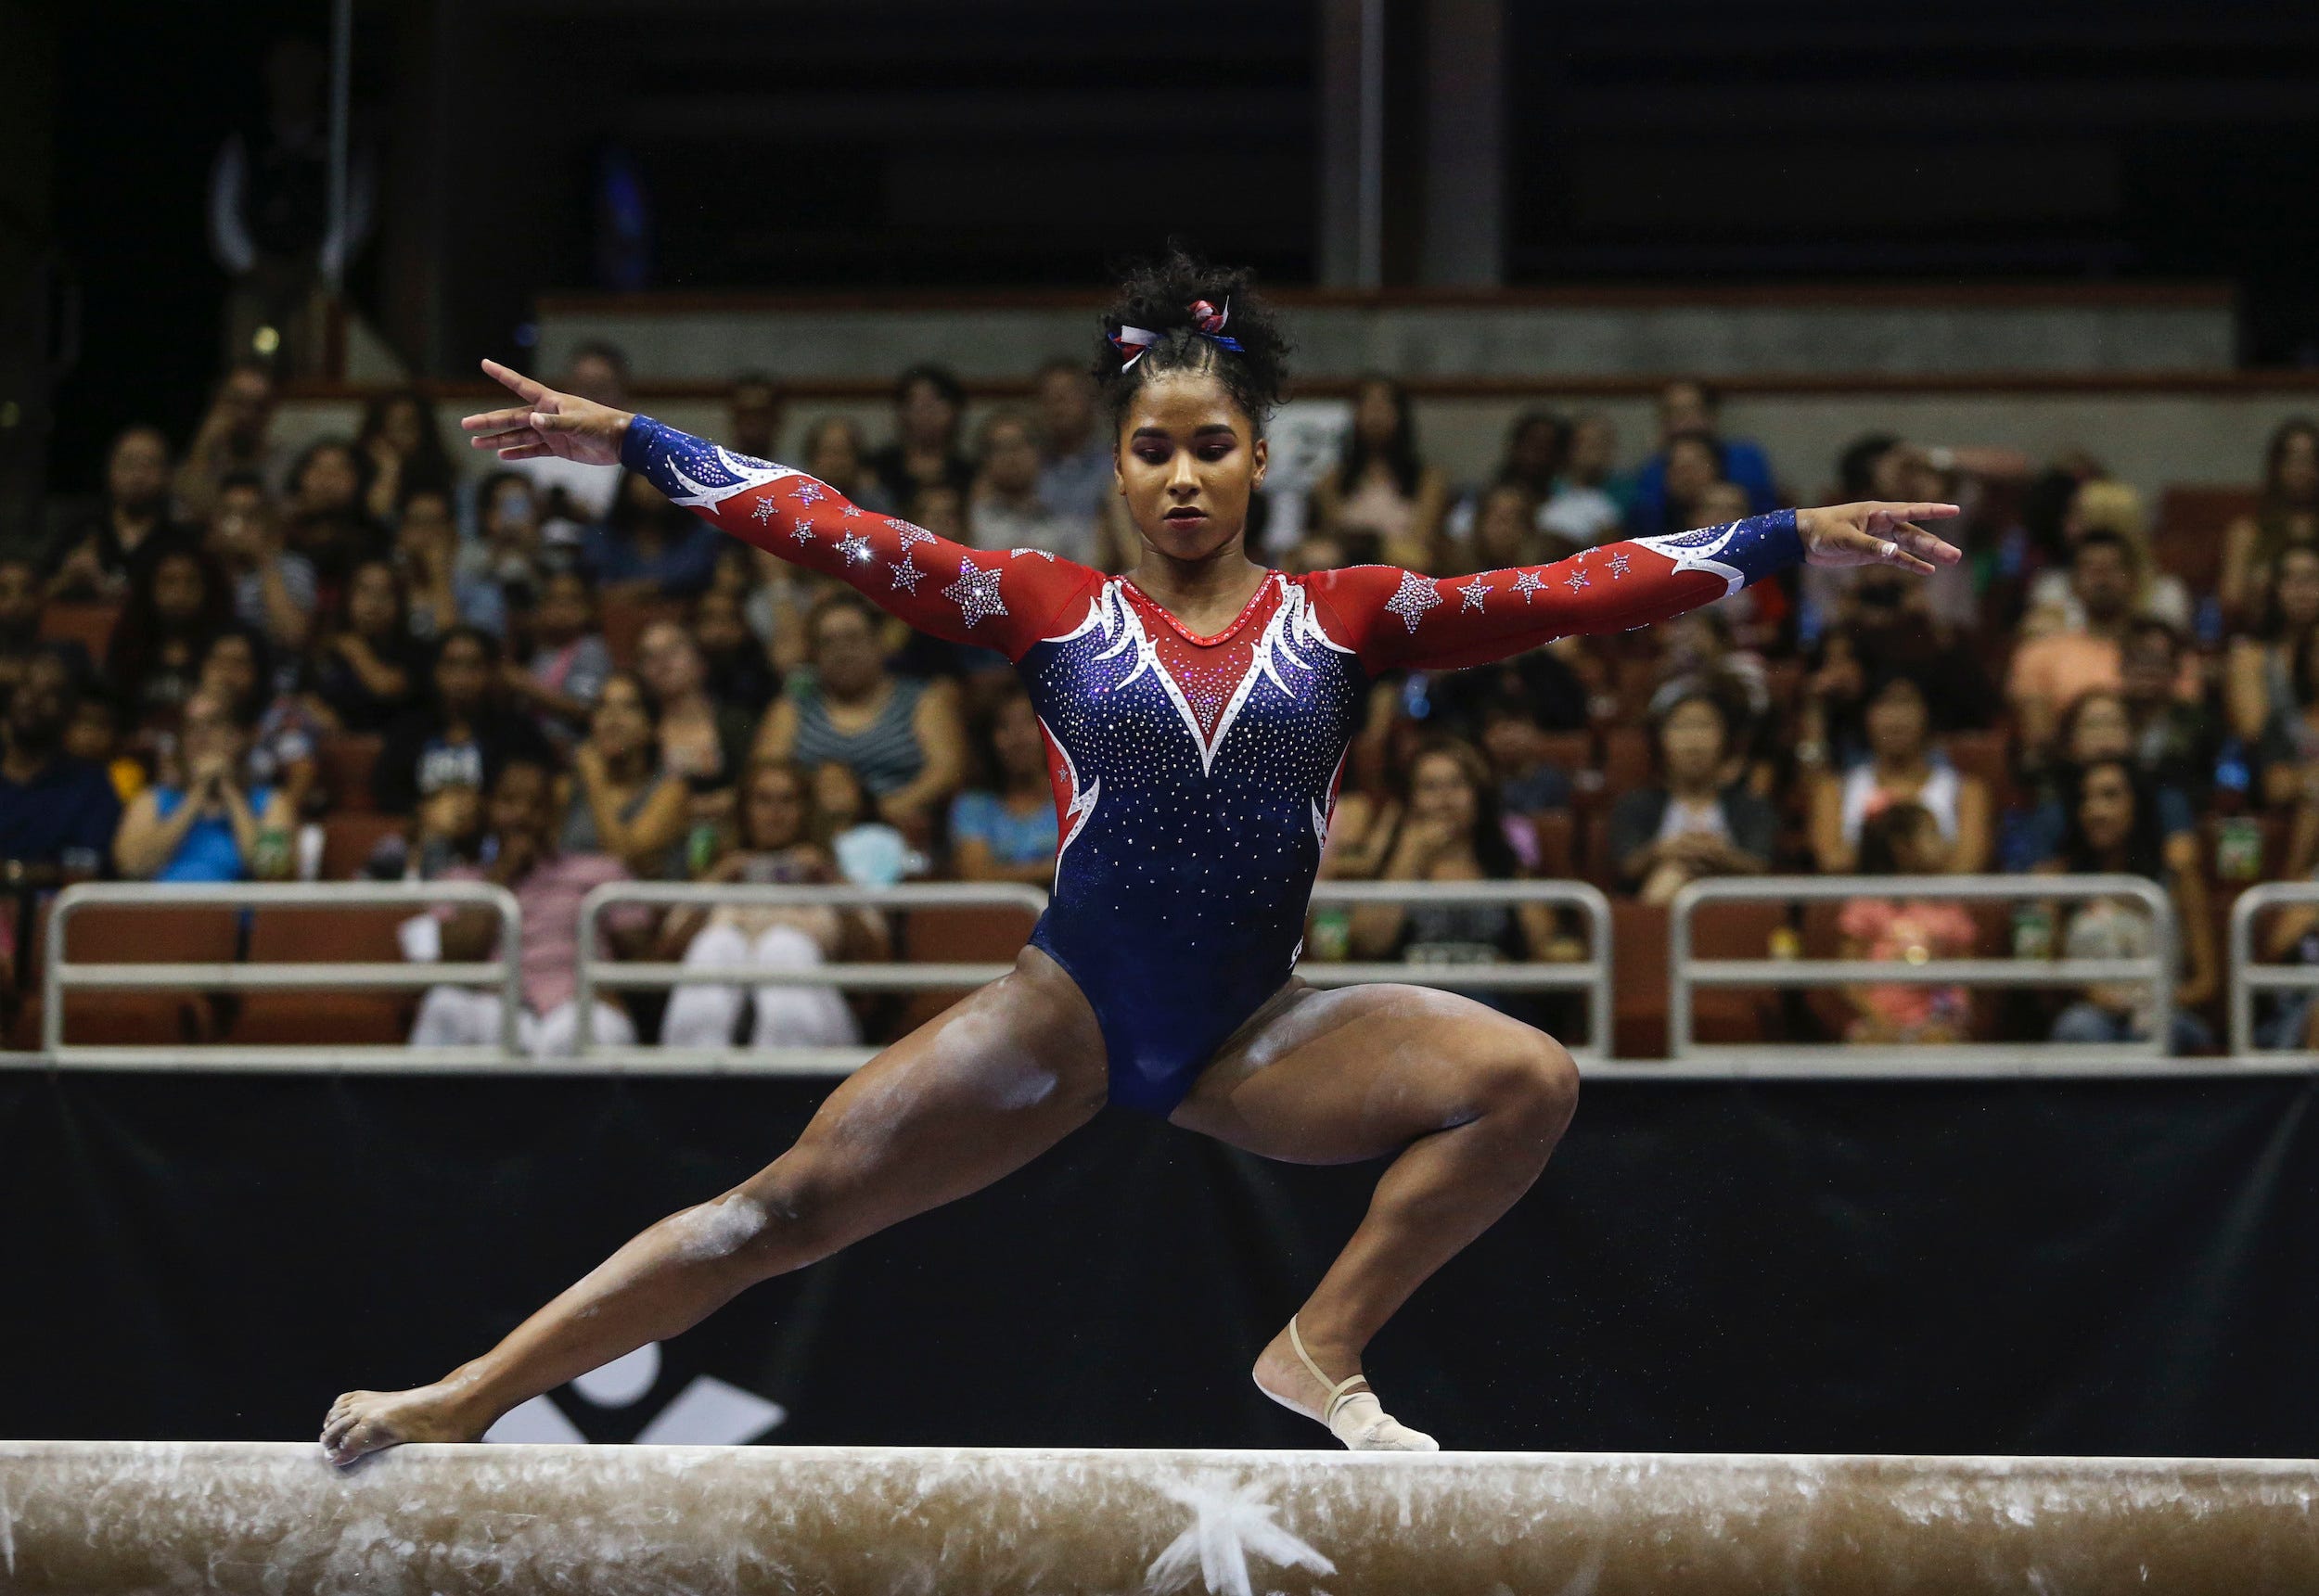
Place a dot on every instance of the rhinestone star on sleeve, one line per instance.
(1527, 582)
(810, 492)
(975, 594)
(1417, 594)
(1618, 565)
(1576, 580)
(1471, 596)
(906, 575)
(911, 535)
(766, 511)
(856, 549)
(804, 534)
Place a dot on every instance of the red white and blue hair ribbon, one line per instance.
(1207, 321)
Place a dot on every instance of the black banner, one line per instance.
(2090, 1266)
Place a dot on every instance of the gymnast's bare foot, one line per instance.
(362, 1422)
(1353, 1416)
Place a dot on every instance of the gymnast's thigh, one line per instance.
(979, 1091)
(1331, 1076)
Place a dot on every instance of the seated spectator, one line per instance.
(2287, 518)
(704, 741)
(238, 669)
(236, 435)
(2259, 672)
(501, 568)
(328, 524)
(2174, 740)
(1905, 839)
(1698, 821)
(2107, 506)
(1528, 785)
(1537, 448)
(2096, 727)
(20, 607)
(1903, 767)
(776, 844)
(465, 731)
(1006, 831)
(1382, 484)
(1693, 409)
(2112, 827)
(571, 494)
(94, 731)
(754, 428)
(869, 853)
(521, 854)
(569, 661)
(1449, 829)
(400, 442)
(427, 557)
(369, 670)
(899, 734)
(648, 548)
(1886, 625)
(739, 674)
(1584, 507)
(93, 558)
(1075, 474)
(929, 404)
(1005, 511)
(445, 831)
(2052, 671)
(177, 602)
(834, 454)
(273, 589)
(57, 812)
(204, 820)
(1693, 468)
(621, 802)
(1504, 532)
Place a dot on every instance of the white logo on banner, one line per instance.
(707, 1412)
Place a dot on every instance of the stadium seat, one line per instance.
(325, 936)
(348, 840)
(90, 625)
(1557, 843)
(1626, 759)
(2191, 521)
(127, 935)
(991, 933)
(346, 764)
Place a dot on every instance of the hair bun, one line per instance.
(1179, 314)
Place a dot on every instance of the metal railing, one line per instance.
(62, 976)
(598, 974)
(2250, 975)
(1591, 974)
(1687, 973)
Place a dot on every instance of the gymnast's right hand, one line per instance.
(547, 422)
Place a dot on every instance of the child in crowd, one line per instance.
(1905, 839)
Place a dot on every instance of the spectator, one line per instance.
(1006, 831)
(521, 854)
(426, 558)
(447, 831)
(20, 607)
(572, 495)
(929, 404)
(2096, 727)
(570, 660)
(2260, 675)
(1903, 767)
(2053, 670)
(834, 454)
(2286, 516)
(1688, 408)
(739, 674)
(466, 733)
(1075, 467)
(1382, 484)
(1584, 507)
(369, 670)
(901, 736)
(177, 602)
(1505, 531)
(1529, 783)
(621, 802)
(1448, 830)
(236, 435)
(273, 589)
(755, 406)
(1885, 625)
(2174, 740)
(1536, 446)
(57, 812)
(238, 669)
(704, 742)
(93, 558)
(502, 568)
(648, 548)
(1905, 839)
(1691, 466)
(1005, 510)
(776, 846)
(1697, 822)
(2102, 505)
(204, 820)
(403, 448)
(2112, 827)
(94, 731)
(868, 851)
(328, 524)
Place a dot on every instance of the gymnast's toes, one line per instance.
(364, 1422)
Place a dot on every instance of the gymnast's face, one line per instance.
(1188, 460)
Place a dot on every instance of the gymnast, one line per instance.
(1197, 712)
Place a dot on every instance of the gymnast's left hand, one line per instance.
(1875, 533)
(546, 423)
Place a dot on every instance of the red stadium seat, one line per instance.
(346, 763)
(126, 936)
(348, 840)
(90, 625)
(325, 936)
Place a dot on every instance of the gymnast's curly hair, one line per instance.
(1158, 296)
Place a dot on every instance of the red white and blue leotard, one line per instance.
(1193, 775)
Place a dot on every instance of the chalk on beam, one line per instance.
(265, 1518)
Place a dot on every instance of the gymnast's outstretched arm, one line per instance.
(1394, 618)
(998, 598)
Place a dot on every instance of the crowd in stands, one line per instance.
(369, 657)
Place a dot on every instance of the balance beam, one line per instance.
(273, 1518)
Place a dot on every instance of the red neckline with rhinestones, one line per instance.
(1185, 632)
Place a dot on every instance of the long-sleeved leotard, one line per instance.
(1193, 775)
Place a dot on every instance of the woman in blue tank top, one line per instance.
(206, 824)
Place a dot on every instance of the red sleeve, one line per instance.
(1392, 618)
(1005, 599)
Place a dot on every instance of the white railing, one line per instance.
(2250, 975)
(1687, 973)
(62, 976)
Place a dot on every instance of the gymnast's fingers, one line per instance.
(507, 439)
(522, 387)
(1928, 547)
(1920, 512)
(496, 420)
(526, 451)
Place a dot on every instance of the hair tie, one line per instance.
(1207, 321)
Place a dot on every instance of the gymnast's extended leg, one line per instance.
(1473, 1102)
(966, 1098)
